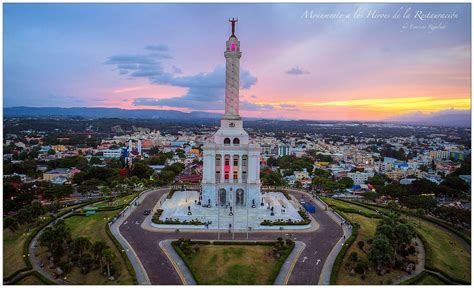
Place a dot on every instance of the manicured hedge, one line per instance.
(156, 219)
(122, 253)
(340, 256)
(36, 274)
(414, 280)
(13, 275)
(280, 222)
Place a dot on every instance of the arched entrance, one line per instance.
(222, 197)
(239, 197)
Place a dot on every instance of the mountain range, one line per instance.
(450, 117)
(99, 112)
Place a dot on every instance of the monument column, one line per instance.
(232, 75)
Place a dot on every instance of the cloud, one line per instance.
(245, 105)
(297, 71)
(205, 91)
(157, 47)
(176, 70)
(128, 89)
(287, 106)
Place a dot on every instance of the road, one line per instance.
(161, 272)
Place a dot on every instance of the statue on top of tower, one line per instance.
(233, 21)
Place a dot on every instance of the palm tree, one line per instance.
(97, 249)
(108, 256)
(85, 263)
(80, 245)
(10, 223)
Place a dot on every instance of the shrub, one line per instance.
(156, 219)
(360, 268)
(170, 194)
(280, 222)
(354, 256)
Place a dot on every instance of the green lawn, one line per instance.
(30, 280)
(428, 279)
(13, 243)
(116, 202)
(13, 251)
(446, 252)
(347, 205)
(93, 227)
(234, 265)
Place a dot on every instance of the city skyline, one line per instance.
(170, 57)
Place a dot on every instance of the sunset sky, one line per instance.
(171, 56)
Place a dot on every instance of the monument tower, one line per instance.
(231, 173)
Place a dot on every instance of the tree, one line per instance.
(181, 154)
(166, 177)
(80, 245)
(141, 170)
(57, 192)
(97, 250)
(324, 183)
(378, 180)
(298, 184)
(455, 182)
(272, 178)
(55, 238)
(404, 234)
(108, 256)
(10, 223)
(95, 160)
(370, 196)
(85, 262)
(427, 203)
(51, 152)
(105, 190)
(322, 173)
(381, 252)
(346, 182)
(386, 230)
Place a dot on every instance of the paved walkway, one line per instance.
(287, 267)
(178, 263)
(35, 261)
(420, 266)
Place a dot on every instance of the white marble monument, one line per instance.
(231, 173)
(230, 197)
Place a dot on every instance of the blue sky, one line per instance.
(170, 56)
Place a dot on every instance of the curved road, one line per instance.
(160, 271)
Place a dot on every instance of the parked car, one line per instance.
(147, 212)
